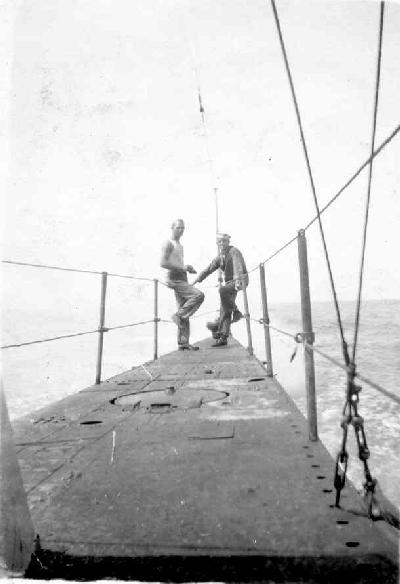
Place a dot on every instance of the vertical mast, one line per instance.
(210, 161)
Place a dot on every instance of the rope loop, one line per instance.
(307, 338)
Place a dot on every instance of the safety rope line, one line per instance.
(385, 142)
(362, 378)
(50, 267)
(204, 314)
(63, 269)
(261, 321)
(132, 277)
(336, 362)
(378, 387)
(48, 339)
(310, 174)
(191, 318)
(278, 251)
(104, 329)
(121, 326)
(367, 204)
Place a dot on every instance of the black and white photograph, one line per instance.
(200, 291)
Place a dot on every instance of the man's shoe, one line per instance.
(221, 342)
(236, 315)
(213, 327)
(188, 347)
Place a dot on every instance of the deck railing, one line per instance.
(305, 337)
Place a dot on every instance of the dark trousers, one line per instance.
(227, 295)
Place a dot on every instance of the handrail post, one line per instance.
(308, 336)
(155, 356)
(101, 326)
(247, 316)
(267, 336)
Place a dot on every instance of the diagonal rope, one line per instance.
(385, 142)
(367, 204)
(310, 174)
(350, 410)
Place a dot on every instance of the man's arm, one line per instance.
(215, 264)
(240, 275)
(166, 261)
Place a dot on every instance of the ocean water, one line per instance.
(377, 358)
(39, 374)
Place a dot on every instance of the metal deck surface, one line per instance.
(197, 467)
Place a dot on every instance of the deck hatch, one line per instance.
(163, 400)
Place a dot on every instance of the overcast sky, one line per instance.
(106, 145)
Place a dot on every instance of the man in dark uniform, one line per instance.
(231, 262)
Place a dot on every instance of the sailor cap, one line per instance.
(223, 236)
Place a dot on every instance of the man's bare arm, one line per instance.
(167, 263)
(165, 257)
(215, 264)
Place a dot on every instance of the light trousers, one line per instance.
(188, 300)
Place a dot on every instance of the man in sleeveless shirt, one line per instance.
(231, 262)
(188, 298)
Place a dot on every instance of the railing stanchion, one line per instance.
(308, 336)
(101, 326)
(267, 336)
(155, 356)
(247, 316)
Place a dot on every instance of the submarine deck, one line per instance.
(196, 466)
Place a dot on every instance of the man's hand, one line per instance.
(190, 269)
(238, 284)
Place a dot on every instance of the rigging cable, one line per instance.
(350, 410)
(310, 174)
(367, 204)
